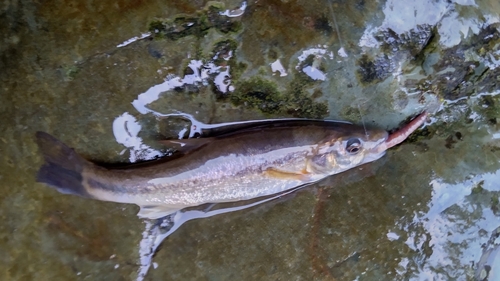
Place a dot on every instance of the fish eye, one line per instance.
(353, 146)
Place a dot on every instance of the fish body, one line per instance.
(247, 163)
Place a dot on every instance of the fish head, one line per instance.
(346, 151)
(353, 146)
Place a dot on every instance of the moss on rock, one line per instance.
(196, 25)
(264, 95)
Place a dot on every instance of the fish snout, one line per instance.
(402, 134)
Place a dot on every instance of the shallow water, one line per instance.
(95, 76)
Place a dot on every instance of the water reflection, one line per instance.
(126, 130)
(312, 69)
(236, 12)
(488, 267)
(458, 222)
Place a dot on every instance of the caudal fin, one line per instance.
(63, 167)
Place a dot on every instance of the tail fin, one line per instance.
(63, 166)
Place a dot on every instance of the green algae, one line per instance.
(467, 60)
(412, 45)
(478, 189)
(422, 134)
(223, 49)
(300, 103)
(196, 25)
(323, 25)
(489, 108)
(69, 72)
(372, 70)
(415, 42)
(264, 95)
(258, 93)
(495, 202)
(220, 53)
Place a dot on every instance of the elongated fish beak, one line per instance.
(400, 135)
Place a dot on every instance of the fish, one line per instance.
(255, 160)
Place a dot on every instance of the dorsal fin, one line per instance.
(223, 129)
(186, 145)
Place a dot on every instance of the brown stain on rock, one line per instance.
(94, 243)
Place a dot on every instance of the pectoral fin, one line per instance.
(157, 211)
(285, 175)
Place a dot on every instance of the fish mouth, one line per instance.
(400, 135)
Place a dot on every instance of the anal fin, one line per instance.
(157, 211)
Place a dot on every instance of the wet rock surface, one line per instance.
(102, 76)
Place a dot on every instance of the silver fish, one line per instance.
(260, 159)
